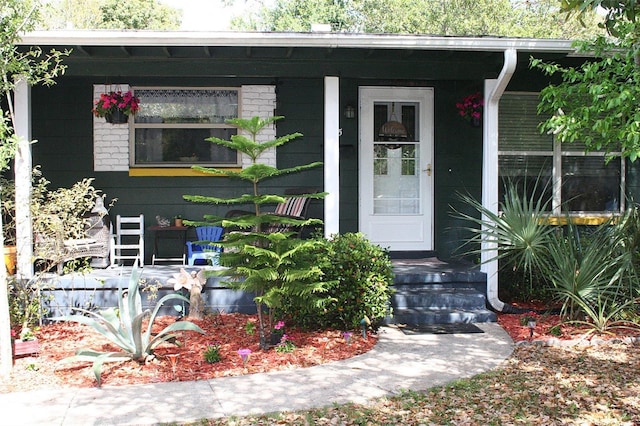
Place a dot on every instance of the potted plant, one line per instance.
(177, 221)
(116, 107)
(470, 108)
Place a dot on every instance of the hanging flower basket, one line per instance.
(470, 108)
(116, 117)
(116, 107)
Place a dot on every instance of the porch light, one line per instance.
(349, 111)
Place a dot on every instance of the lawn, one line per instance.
(538, 385)
(595, 385)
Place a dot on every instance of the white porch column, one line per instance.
(331, 155)
(23, 166)
(493, 90)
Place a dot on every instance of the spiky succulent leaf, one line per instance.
(98, 359)
(101, 325)
(165, 334)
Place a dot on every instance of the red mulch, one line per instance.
(545, 321)
(58, 341)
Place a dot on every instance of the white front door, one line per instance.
(396, 167)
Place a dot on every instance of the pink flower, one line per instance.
(244, 354)
(112, 101)
(471, 106)
(279, 325)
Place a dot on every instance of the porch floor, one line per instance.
(428, 266)
(417, 282)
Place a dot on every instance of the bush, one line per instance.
(358, 276)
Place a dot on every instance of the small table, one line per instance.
(168, 232)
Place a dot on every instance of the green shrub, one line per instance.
(360, 276)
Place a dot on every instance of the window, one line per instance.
(575, 181)
(171, 127)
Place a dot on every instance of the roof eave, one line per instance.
(310, 40)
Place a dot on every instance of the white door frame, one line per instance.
(399, 232)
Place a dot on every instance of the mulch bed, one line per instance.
(61, 340)
(547, 319)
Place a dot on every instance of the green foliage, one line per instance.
(250, 328)
(139, 15)
(62, 209)
(111, 14)
(33, 67)
(212, 353)
(539, 19)
(8, 200)
(617, 11)
(519, 230)
(592, 274)
(286, 345)
(123, 326)
(26, 303)
(262, 251)
(360, 276)
(597, 102)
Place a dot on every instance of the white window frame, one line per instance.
(556, 156)
(133, 125)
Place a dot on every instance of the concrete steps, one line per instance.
(429, 291)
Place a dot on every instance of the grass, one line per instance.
(597, 385)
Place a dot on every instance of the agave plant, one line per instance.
(123, 326)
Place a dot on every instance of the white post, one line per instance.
(331, 155)
(23, 166)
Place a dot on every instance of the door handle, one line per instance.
(428, 169)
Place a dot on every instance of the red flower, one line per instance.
(112, 101)
(471, 106)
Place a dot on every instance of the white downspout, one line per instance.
(494, 88)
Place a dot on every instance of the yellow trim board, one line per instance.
(579, 220)
(172, 171)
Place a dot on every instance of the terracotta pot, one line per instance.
(178, 222)
(10, 259)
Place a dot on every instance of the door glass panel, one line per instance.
(396, 180)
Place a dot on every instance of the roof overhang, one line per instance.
(292, 40)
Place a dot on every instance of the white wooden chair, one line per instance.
(128, 240)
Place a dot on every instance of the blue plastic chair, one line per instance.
(203, 249)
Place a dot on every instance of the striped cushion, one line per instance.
(294, 206)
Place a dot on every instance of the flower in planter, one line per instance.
(111, 102)
(470, 108)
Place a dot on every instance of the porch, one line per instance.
(427, 291)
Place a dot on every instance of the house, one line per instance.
(379, 110)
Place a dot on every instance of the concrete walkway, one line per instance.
(398, 362)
